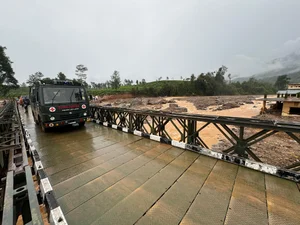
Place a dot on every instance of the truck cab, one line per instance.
(59, 104)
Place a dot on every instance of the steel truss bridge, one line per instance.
(22, 194)
(105, 172)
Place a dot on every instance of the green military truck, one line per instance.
(59, 104)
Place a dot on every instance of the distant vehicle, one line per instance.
(59, 104)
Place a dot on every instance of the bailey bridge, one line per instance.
(128, 167)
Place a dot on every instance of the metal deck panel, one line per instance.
(211, 204)
(171, 208)
(146, 195)
(283, 201)
(139, 180)
(248, 199)
(82, 176)
(113, 194)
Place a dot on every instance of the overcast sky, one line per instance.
(147, 38)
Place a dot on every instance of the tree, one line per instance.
(143, 81)
(137, 82)
(107, 84)
(220, 74)
(128, 82)
(229, 77)
(23, 84)
(81, 72)
(61, 76)
(206, 84)
(93, 85)
(33, 78)
(7, 75)
(115, 80)
(76, 82)
(47, 80)
(281, 82)
(193, 78)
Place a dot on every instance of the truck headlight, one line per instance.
(52, 118)
(85, 114)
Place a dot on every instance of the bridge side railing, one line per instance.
(187, 129)
(22, 199)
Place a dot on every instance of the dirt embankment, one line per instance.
(279, 149)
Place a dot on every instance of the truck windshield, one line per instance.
(63, 95)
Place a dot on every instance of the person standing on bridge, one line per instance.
(21, 101)
(26, 103)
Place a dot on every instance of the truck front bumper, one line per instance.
(73, 122)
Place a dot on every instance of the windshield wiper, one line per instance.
(55, 96)
(72, 95)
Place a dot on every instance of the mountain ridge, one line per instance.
(289, 65)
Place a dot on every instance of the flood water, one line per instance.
(211, 135)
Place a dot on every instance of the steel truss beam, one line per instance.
(188, 129)
(20, 197)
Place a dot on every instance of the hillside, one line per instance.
(294, 78)
(21, 91)
(289, 64)
(155, 86)
(204, 85)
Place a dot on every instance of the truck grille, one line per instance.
(69, 116)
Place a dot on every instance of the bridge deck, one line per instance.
(104, 176)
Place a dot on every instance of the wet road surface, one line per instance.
(104, 176)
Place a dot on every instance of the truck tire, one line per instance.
(35, 121)
(44, 129)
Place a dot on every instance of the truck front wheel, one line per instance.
(44, 129)
(35, 120)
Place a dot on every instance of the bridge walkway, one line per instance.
(104, 176)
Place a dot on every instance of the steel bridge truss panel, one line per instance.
(21, 197)
(187, 128)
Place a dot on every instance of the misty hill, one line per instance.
(289, 64)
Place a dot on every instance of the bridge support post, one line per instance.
(161, 127)
(131, 122)
(241, 145)
(138, 122)
(192, 137)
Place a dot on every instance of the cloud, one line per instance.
(282, 57)
(293, 43)
(288, 47)
(244, 65)
(146, 39)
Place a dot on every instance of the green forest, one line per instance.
(205, 84)
(202, 85)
